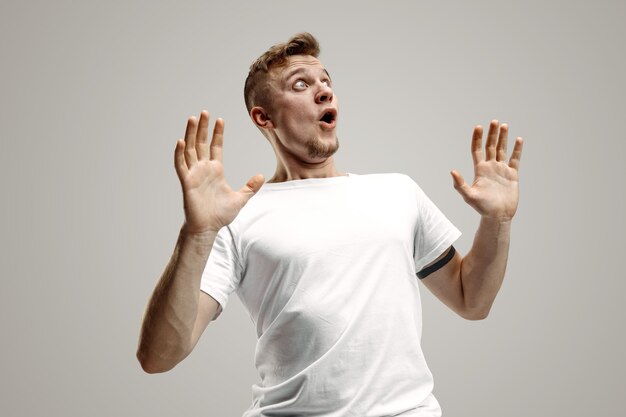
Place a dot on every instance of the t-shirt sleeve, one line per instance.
(434, 233)
(222, 273)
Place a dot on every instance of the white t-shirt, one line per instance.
(326, 268)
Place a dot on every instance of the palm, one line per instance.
(494, 192)
(208, 198)
(209, 201)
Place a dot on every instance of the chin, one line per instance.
(319, 149)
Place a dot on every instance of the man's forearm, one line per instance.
(166, 334)
(483, 268)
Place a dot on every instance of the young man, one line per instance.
(325, 262)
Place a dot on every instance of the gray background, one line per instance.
(94, 95)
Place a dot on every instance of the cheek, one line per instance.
(295, 114)
(294, 111)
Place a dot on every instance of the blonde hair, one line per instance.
(256, 89)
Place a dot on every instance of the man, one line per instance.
(325, 262)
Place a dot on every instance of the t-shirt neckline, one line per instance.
(305, 182)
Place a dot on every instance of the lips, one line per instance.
(328, 118)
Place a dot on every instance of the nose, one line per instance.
(324, 94)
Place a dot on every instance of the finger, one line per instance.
(477, 144)
(179, 159)
(517, 153)
(190, 141)
(492, 139)
(459, 184)
(202, 148)
(502, 139)
(252, 186)
(217, 140)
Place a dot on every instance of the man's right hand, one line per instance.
(209, 201)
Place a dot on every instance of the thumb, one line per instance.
(459, 184)
(252, 186)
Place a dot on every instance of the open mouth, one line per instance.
(329, 117)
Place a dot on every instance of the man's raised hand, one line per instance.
(209, 201)
(495, 191)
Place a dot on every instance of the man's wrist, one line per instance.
(194, 233)
(495, 226)
(502, 220)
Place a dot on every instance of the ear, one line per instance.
(261, 118)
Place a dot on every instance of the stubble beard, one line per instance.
(318, 149)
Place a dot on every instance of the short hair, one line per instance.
(256, 89)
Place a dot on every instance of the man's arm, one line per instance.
(178, 312)
(469, 285)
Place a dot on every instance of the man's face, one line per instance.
(303, 109)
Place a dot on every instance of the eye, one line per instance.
(300, 85)
(327, 83)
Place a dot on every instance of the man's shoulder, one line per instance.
(382, 175)
(387, 177)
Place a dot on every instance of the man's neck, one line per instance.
(325, 169)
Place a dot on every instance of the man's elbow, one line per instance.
(154, 365)
(475, 314)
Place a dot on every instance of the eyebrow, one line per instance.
(299, 70)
